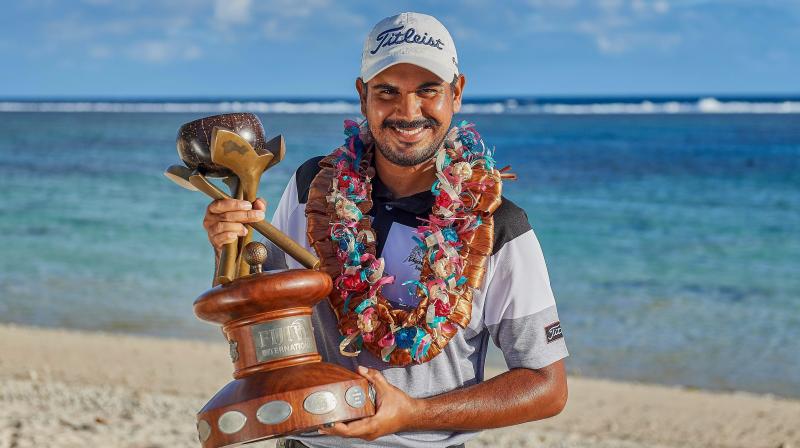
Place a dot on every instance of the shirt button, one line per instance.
(388, 207)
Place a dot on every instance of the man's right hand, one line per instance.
(225, 218)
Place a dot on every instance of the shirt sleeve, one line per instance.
(520, 311)
(290, 214)
(282, 220)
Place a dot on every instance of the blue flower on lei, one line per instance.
(404, 338)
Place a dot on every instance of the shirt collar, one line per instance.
(418, 204)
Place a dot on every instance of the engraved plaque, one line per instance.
(355, 397)
(203, 430)
(274, 412)
(283, 337)
(320, 402)
(231, 422)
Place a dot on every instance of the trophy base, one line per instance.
(289, 400)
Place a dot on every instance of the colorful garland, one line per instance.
(467, 191)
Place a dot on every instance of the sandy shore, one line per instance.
(71, 389)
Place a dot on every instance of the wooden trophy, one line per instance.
(281, 386)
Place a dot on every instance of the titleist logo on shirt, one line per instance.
(553, 332)
(396, 36)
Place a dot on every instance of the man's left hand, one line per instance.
(395, 410)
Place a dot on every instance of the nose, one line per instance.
(408, 107)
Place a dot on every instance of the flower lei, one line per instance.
(456, 239)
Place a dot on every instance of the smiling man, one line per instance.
(430, 262)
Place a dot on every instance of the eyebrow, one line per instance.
(395, 89)
(385, 86)
(430, 84)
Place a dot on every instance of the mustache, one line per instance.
(403, 124)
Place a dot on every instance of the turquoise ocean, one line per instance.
(671, 226)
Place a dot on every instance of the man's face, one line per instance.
(409, 111)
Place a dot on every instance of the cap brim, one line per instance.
(444, 71)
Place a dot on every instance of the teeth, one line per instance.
(409, 131)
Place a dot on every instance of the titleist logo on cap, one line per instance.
(396, 36)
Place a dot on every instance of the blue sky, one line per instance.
(299, 48)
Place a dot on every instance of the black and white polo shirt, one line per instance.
(514, 308)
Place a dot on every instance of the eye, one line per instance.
(428, 92)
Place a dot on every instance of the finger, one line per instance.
(356, 428)
(228, 205)
(373, 376)
(259, 204)
(225, 226)
(224, 238)
(243, 216)
(336, 429)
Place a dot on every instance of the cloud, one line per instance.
(615, 41)
(612, 27)
(179, 30)
(161, 51)
(610, 5)
(466, 33)
(643, 6)
(120, 36)
(100, 51)
(559, 4)
(277, 30)
(618, 43)
(192, 52)
(232, 12)
(624, 26)
(77, 27)
(291, 20)
(296, 8)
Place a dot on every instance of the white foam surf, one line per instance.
(707, 105)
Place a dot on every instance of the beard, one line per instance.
(410, 158)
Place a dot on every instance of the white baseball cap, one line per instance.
(411, 38)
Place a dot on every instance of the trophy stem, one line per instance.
(271, 340)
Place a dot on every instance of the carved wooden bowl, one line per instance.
(194, 140)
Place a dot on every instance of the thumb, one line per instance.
(373, 376)
(259, 204)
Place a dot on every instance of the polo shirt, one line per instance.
(514, 308)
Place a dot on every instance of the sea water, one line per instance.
(672, 239)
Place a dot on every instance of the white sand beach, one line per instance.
(61, 388)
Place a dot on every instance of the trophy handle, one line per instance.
(227, 264)
(230, 250)
(226, 270)
(270, 232)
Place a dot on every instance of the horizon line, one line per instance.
(299, 98)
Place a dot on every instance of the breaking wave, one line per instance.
(583, 106)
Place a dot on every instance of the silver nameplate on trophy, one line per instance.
(280, 338)
(355, 397)
(231, 422)
(274, 412)
(320, 402)
(203, 430)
